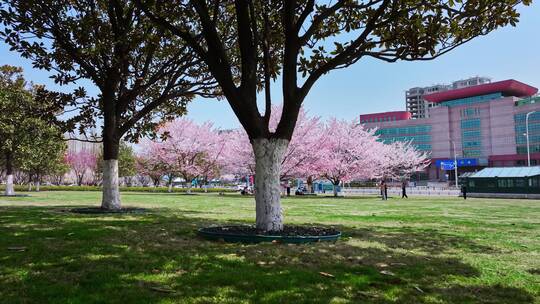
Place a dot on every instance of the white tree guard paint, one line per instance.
(111, 191)
(10, 189)
(268, 158)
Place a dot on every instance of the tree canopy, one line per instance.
(244, 43)
(30, 133)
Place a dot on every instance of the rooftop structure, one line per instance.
(385, 116)
(504, 88)
(419, 107)
(507, 172)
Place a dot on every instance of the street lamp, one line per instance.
(527, 135)
(455, 162)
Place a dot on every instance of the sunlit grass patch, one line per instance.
(421, 250)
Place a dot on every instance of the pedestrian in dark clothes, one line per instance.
(464, 191)
(384, 193)
(404, 189)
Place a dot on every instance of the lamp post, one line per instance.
(455, 162)
(527, 135)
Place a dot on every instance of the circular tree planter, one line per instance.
(98, 210)
(249, 234)
(15, 195)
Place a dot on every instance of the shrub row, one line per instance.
(22, 188)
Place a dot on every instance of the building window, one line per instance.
(470, 124)
(471, 100)
(534, 133)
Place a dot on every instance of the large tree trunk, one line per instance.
(111, 191)
(80, 178)
(10, 188)
(336, 184)
(309, 183)
(170, 186)
(268, 157)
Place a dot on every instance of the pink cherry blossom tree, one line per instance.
(349, 152)
(401, 159)
(81, 162)
(148, 162)
(191, 150)
(302, 156)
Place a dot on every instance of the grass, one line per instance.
(421, 250)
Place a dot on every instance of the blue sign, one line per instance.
(461, 162)
(447, 165)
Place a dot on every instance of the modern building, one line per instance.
(484, 125)
(419, 107)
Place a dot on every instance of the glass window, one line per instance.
(470, 124)
(510, 183)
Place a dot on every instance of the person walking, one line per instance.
(464, 191)
(384, 191)
(404, 189)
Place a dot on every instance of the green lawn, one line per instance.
(421, 250)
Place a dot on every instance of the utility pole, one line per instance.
(455, 162)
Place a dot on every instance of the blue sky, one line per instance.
(375, 86)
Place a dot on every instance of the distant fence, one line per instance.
(394, 191)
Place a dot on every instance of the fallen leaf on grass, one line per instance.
(398, 264)
(326, 274)
(181, 272)
(17, 248)
(156, 271)
(381, 265)
(388, 273)
(161, 289)
(418, 288)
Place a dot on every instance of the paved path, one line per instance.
(424, 191)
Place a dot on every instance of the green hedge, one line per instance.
(23, 188)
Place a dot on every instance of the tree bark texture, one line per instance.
(269, 154)
(10, 188)
(111, 191)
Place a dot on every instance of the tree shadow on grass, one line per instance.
(148, 258)
(428, 240)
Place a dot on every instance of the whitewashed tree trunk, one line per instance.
(111, 191)
(335, 190)
(170, 187)
(10, 188)
(268, 157)
(38, 183)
